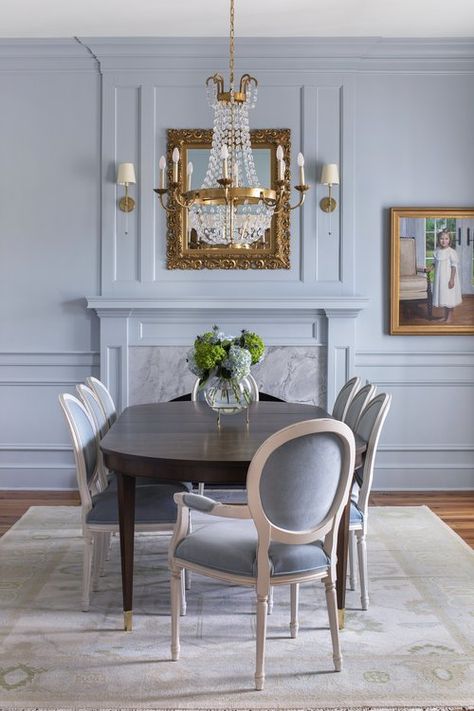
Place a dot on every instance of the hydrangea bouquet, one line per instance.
(225, 361)
(230, 358)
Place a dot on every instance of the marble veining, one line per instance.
(294, 373)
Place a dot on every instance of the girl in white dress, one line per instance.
(447, 285)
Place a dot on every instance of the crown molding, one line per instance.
(303, 53)
(357, 54)
(62, 55)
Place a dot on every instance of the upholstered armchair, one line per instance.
(415, 285)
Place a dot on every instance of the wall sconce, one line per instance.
(126, 176)
(329, 177)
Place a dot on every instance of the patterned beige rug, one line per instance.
(413, 648)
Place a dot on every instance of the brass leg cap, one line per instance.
(341, 618)
(128, 620)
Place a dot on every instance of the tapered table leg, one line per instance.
(126, 503)
(341, 570)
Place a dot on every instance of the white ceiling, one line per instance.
(264, 18)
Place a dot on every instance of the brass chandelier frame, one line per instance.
(229, 194)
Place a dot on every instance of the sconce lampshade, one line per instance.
(330, 174)
(126, 174)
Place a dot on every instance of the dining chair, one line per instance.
(105, 398)
(298, 483)
(369, 427)
(357, 404)
(107, 478)
(91, 402)
(344, 397)
(155, 509)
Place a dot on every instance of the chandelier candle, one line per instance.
(231, 207)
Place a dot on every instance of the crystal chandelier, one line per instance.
(231, 208)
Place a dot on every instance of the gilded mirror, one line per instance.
(184, 249)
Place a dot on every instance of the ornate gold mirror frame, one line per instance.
(184, 251)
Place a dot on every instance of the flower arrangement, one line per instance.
(215, 354)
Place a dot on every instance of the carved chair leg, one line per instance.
(262, 604)
(183, 592)
(362, 556)
(176, 580)
(352, 555)
(294, 600)
(331, 601)
(87, 570)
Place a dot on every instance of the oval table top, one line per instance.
(177, 440)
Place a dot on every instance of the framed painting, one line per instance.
(184, 249)
(432, 271)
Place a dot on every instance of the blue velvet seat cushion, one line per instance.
(153, 504)
(357, 516)
(231, 546)
(147, 481)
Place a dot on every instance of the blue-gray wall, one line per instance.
(397, 116)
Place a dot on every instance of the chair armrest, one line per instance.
(198, 502)
(204, 504)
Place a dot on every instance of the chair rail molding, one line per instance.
(304, 321)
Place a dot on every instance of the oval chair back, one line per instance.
(84, 442)
(92, 404)
(344, 397)
(105, 399)
(369, 427)
(298, 483)
(357, 404)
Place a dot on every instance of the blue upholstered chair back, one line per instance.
(298, 482)
(344, 397)
(84, 443)
(369, 427)
(357, 404)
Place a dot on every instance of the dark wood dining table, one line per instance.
(180, 441)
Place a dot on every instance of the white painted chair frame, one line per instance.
(325, 531)
(344, 397)
(104, 397)
(96, 536)
(358, 530)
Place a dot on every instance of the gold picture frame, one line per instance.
(432, 271)
(184, 251)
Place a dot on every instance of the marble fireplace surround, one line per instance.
(311, 343)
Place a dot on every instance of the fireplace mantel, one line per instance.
(128, 322)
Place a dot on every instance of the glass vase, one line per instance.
(227, 397)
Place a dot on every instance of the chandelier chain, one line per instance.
(231, 46)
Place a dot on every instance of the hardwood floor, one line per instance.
(455, 508)
(13, 504)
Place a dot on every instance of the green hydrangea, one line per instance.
(208, 355)
(253, 344)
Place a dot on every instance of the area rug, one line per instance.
(414, 647)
